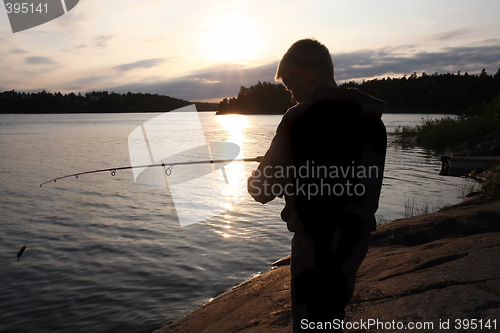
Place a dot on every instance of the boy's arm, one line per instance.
(269, 180)
(261, 184)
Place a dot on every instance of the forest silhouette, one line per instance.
(92, 102)
(436, 93)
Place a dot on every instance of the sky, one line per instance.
(205, 50)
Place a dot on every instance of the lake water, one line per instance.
(107, 255)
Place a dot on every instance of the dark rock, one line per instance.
(473, 194)
(458, 222)
(485, 175)
(282, 262)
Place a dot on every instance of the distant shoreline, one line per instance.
(447, 112)
(97, 112)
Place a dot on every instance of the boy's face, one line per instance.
(300, 86)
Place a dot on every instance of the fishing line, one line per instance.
(21, 252)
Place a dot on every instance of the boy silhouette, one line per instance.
(327, 160)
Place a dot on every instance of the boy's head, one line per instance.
(305, 66)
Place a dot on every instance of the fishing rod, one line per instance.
(168, 171)
(168, 166)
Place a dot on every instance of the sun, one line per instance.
(230, 38)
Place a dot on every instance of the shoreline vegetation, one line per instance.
(437, 93)
(475, 132)
(452, 132)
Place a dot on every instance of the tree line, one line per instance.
(436, 93)
(92, 102)
(261, 98)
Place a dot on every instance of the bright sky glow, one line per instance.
(230, 38)
(205, 50)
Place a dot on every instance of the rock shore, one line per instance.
(438, 268)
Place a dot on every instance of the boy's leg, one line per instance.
(302, 260)
(321, 292)
(353, 262)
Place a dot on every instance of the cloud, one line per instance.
(83, 83)
(89, 80)
(17, 51)
(74, 21)
(450, 34)
(40, 61)
(102, 41)
(383, 62)
(225, 80)
(211, 83)
(147, 63)
(493, 41)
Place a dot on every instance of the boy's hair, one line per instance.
(308, 54)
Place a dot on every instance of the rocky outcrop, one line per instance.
(435, 269)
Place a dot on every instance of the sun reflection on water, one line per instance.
(236, 173)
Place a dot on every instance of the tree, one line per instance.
(261, 98)
(497, 74)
